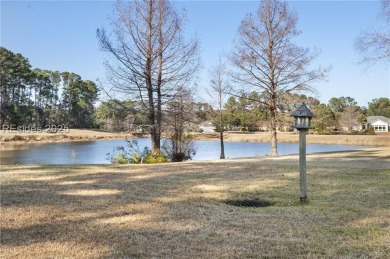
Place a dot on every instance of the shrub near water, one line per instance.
(120, 158)
(17, 138)
(135, 155)
(173, 150)
(162, 158)
(179, 147)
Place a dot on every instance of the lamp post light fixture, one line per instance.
(302, 118)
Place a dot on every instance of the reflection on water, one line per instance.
(95, 152)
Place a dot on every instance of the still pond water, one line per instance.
(95, 152)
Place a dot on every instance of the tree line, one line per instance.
(244, 113)
(38, 97)
(338, 114)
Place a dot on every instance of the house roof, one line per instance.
(302, 111)
(372, 119)
(206, 124)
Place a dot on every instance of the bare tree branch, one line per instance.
(374, 45)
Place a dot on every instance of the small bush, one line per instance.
(151, 159)
(120, 158)
(369, 131)
(323, 132)
(179, 148)
(177, 157)
(32, 137)
(354, 132)
(17, 138)
(135, 159)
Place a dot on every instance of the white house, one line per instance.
(207, 127)
(379, 123)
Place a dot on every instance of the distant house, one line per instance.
(357, 127)
(207, 127)
(379, 123)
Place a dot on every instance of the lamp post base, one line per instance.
(303, 199)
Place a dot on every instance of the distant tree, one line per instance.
(202, 111)
(30, 97)
(339, 104)
(15, 81)
(231, 109)
(153, 62)
(115, 115)
(267, 59)
(45, 87)
(108, 116)
(179, 145)
(251, 112)
(379, 107)
(247, 113)
(231, 103)
(324, 118)
(374, 45)
(78, 98)
(219, 87)
(289, 102)
(53, 104)
(346, 112)
(350, 117)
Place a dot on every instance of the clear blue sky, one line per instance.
(61, 35)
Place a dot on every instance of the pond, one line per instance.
(95, 152)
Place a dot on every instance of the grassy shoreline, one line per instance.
(179, 210)
(283, 137)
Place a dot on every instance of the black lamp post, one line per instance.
(302, 118)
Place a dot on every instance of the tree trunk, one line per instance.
(274, 141)
(155, 141)
(222, 156)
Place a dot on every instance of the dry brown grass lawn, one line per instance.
(178, 210)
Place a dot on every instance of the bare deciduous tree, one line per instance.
(151, 61)
(350, 118)
(267, 59)
(219, 87)
(179, 145)
(374, 45)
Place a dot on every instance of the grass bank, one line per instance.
(8, 138)
(11, 138)
(380, 139)
(179, 210)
